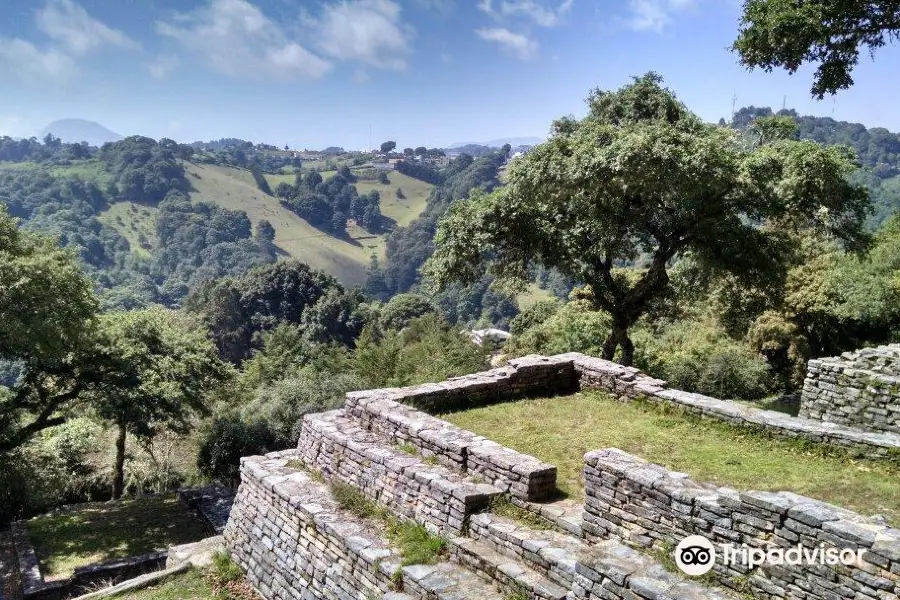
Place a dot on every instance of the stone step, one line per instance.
(508, 573)
(437, 497)
(566, 514)
(550, 553)
(446, 581)
(520, 475)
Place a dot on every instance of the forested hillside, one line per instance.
(877, 148)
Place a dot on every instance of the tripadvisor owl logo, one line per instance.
(695, 555)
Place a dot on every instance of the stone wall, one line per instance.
(522, 377)
(860, 389)
(534, 375)
(646, 505)
(429, 494)
(517, 474)
(294, 543)
(83, 578)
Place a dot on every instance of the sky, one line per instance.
(319, 73)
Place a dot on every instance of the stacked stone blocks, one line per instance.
(433, 495)
(645, 505)
(295, 543)
(517, 474)
(857, 389)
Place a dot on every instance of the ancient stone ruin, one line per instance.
(296, 543)
(859, 389)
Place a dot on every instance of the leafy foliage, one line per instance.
(237, 309)
(144, 170)
(328, 204)
(426, 350)
(167, 366)
(787, 34)
(642, 177)
(228, 439)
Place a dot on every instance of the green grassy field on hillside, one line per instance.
(346, 259)
(132, 220)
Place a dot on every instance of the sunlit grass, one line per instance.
(103, 531)
(561, 430)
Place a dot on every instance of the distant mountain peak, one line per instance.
(80, 130)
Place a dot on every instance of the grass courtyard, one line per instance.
(103, 531)
(561, 430)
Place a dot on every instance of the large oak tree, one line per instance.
(638, 182)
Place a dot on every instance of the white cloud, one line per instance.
(360, 76)
(538, 12)
(71, 26)
(73, 33)
(368, 31)
(236, 39)
(27, 62)
(654, 15)
(162, 65)
(516, 43)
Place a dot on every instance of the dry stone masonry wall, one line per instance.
(430, 494)
(646, 505)
(859, 389)
(295, 543)
(518, 474)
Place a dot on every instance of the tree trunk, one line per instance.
(119, 479)
(618, 337)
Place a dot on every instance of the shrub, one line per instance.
(53, 469)
(574, 327)
(698, 356)
(283, 403)
(534, 315)
(226, 441)
(428, 349)
(403, 308)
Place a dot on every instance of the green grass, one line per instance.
(532, 296)
(106, 530)
(416, 545)
(502, 507)
(354, 501)
(90, 170)
(192, 585)
(132, 220)
(561, 430)
(346, 259)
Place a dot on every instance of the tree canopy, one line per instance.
(170, 366)
(639, 181)
(45, 339)
(787, 33)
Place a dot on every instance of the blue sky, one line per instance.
(421, 72)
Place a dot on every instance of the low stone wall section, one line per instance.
(211, 504)
(527, 376)
(628, 383)
(429, 494)
(294, 543)
(858, 389)
(520, 475)
(645, 505)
